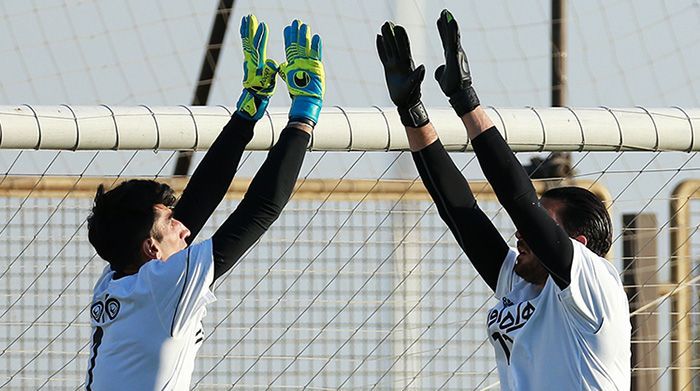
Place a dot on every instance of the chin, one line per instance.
(529, 269)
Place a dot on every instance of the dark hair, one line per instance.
(123, 218)
(582, 213)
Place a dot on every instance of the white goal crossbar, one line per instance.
(66, 127)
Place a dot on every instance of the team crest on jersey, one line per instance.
(110, 307)
(97, 310)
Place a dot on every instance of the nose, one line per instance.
(184, 231)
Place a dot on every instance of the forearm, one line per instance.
(515, 192)
(267, 195)
(458, 208)
(213, 176)
(421, 137)
(476, 122)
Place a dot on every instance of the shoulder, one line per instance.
(586, 263)
(181, 264)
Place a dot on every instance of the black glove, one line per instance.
(402, 78)
(454, 77)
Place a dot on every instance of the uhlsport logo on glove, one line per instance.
(301, 79)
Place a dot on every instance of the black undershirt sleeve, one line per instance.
(267, 195)
(213, 176)
(515, 192)
(457, 207)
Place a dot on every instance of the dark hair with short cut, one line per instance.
(123, 218)
(583, 213)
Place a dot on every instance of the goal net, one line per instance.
(359, 284)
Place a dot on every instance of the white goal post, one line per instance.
(66, 127)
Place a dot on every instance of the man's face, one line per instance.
(172, 232)
(527, 264)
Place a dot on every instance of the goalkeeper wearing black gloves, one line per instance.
(148, 305)
(562, 318)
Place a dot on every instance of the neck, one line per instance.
(128, 270)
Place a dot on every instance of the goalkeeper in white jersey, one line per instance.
(562, 317)
(148, 305)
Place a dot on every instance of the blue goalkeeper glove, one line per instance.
(303, 72)
(259, 72)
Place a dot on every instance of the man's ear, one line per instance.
(150, 249)
(582, 239)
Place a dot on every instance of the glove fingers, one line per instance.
(380, 49)
(260, 41)
(282, 70)
(453, 30)
(290, 37)
(439, 71)
(316, 48)
(252, 25)
(389, 40)
(403, 46)
(304, 38)
(295, 31)
(244, 26)
(449, 31)
(272, 64)
(442, 28)
(287, 37)
(417, 76)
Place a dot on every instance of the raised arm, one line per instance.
(456, 204)
(213, 176)
(512, 186)
(272, 186)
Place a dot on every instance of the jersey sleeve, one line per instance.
(181, 285)
(594, 290)
(507, 277)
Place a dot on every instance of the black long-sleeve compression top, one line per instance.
(474, 232)
(471, 227)
(268, 192)
(213, 176)
(267, 195)
(515, 192)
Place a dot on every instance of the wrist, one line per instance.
(414, 116)
(251, 106)
(305, 109)
(303, 126)
(464, 100)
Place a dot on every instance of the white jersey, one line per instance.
(572, 339)
(147, 327)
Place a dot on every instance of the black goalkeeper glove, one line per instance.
(402, 78)
(454, 77)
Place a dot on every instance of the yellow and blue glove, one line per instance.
(303, 72)
(259, 72)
